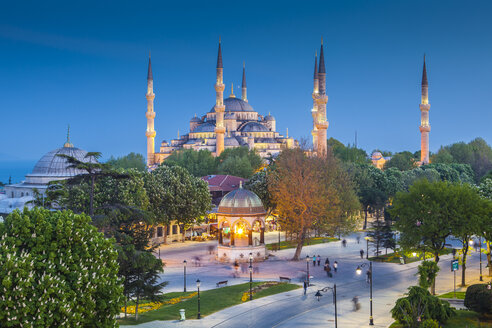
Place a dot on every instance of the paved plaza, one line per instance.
(293, 309)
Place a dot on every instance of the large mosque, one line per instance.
(232, 122)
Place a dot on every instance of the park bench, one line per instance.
(221, 283)
(283, 279)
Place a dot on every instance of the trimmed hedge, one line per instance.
(479, 299)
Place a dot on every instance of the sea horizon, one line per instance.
(15, 170)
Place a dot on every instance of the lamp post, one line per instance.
(184, 276)
(480, 250)
(250, 276)
(334, 290)
(278, 228)
(359, 271)
(307, 266)
(198, 288)
(367, 247)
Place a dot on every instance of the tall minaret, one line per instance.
(321, 100)
(150, 133)
(219, 106)
(424, 119)
(243, 86)
(314, 111)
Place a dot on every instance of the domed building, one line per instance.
(241, 225)
(50, 167)
(231, 122)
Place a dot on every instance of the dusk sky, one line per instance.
(85, 64)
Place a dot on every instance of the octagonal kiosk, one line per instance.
(241, 223)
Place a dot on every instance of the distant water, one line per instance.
(15, 169)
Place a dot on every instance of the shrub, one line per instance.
(427, 272)
(430, 323)
(420, 305)
(479, 299)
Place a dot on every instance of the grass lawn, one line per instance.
(211, 301)
(462, 319)
(459, 295)
(392, 258)
(292, 244)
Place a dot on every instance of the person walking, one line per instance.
(305, 287)
(319, 260)
(368, 276)
(335, 266)
(355, 300)
(314, 260)
(327, 261)
(344, 243)
(361, 253)
(358, 239)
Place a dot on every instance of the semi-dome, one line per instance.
(195, 119)
(269, 117)
(254, 127)
(241, 201)
(205, 127)
(233, 104)
(231, 141)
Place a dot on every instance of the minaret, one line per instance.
(314, 111)
(150, 133)
(243, 86)
(219, 105)
(321, 100)
(424, 119)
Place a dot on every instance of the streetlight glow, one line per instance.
(358, 270)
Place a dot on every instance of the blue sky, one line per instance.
(84, 64)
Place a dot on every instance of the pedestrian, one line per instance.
(305, 287)
(358, 239)
(344, 243)
(361, 253)
(319, 260)
(328, 271)
(368, 276)
(327, 261)
(314, 260)
(335, 266)
(355, 300)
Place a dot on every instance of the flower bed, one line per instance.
(258, 288)
(145, 307)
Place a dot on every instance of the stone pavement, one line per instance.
(292, 309)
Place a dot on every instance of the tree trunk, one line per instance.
(91, 205)
(463, 266)
(489, 260)
(136, 307)
(300, 243)
(365, 218)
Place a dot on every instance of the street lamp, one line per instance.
(307, 266)
(359, 271)
(414, 254)
(198, 288)
(367, 247)
(184, 276)
(480, 250)
(334, 290)
(250, 276)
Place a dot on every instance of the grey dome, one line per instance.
(269, 118)
(235, 105)
(205, 127)
(52, 165)
(231, 142)
(254, 127)
(241, 201)
(195, 119)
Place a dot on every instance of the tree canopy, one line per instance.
(130, 161)
(347, 153)
(403, 161)
(57, 271)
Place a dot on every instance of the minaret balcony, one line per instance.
(322, 125)
(150, 134)
(424, 107)
(150, 96)
(150, 115)
(220, 129)
(219, 87)
(425, 128)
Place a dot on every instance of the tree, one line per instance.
(425, 215)
(176, 195)
(307, 192)
(379, 232)
(478, 298)
(419, 306)
(349, 154)
(259, 185)
(239, 161)
(427, 272)
(199, 163)
(130, 161)
(485, 227)
(402, 161)
(57, 271)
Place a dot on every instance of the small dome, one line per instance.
(254, 127)
(205, 127)
(195, 119)
(52, 165)
(231, 142)
(269, 118)
(233, 104)
(376, 155)
(241, 201)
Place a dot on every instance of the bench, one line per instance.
(284, 279)
(221, 283)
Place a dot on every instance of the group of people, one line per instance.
(327, 266)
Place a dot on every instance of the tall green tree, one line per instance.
(239, 161)
(485, 227)
(403, 161)
(425, 216)
(175, 195)
(199, 163)
(57, 271)
(130, 161)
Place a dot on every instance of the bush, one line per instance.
(479, 299)
(427, 272)
(430, 323)
(420, 305)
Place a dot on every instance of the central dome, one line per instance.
(233, 104)
(241, 201)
